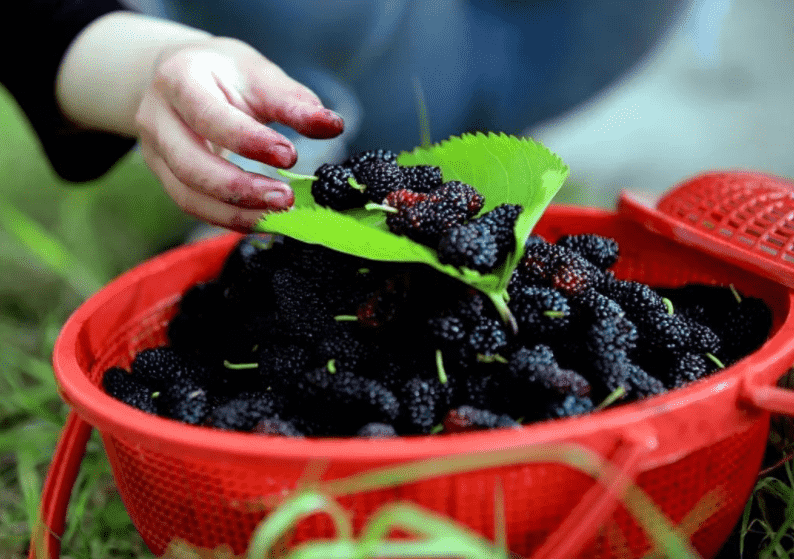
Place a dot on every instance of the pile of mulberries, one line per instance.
(298, 340)
(422, 206)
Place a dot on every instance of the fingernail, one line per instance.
(283, 154)
(325, 124)
(333, 116)
(330, 117)
(278, 198)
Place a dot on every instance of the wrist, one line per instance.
(108, 67)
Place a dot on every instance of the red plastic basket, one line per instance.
(203, 486)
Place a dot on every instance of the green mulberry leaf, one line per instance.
(505, 169)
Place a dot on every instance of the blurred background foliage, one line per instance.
(60, 242)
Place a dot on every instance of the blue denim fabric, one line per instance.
(475, 64)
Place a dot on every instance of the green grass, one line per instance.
(59, 243)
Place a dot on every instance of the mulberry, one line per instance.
(377, 431)
(664, 333)
(277, 426)
(300, 310)
(539, 365)
(342, 349)
(555, 266)
(279, 363)
(468, 418)
(404, 198)
(363, 158)
(571, 405)
(426, 221)
(480, 390)
(541, 312)
(190, 332)
(501, 221)
(345, 400)
(483, 243)
(590, 305)
(422, 178)
(243, 412)
(248, 267)
(689, 368)
(447, 331)
(487, 339)
(159, 367)
(463, 196)
(422, 406)
(703, 339)
(383, 305)
(121, 385)
(379, 178)
(708, 304)
(746, 328)
(534, 240)
(332, 188)
(601, 251)
(607, 359)
(637, 299)
(472, 246)
(184, 401)
(640, 384)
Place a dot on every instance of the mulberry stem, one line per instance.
(498, 299)
(716, 360)
(381, 207)
(613, 397)
(442, 375)
(296, 176)
(554, 314)
(358, 186)
(239, 366)
(482, 358)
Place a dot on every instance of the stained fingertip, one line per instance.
(324, 123)
(278, 154)
(331, 117)
(282, 155)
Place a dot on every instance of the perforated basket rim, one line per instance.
(112, 417)
(693, 235)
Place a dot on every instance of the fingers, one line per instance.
(278, 98)
(225, 95)
(201, 182)
(199, 204)
(216, 97)
(212, 110)
(273, 96)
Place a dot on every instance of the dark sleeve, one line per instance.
(36, 36)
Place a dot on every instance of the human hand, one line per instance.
(216, 95)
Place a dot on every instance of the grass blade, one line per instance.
(29, 483)
(49, 250)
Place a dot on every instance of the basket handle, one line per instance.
(58, 486)
(773, 399)
(599, 502)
